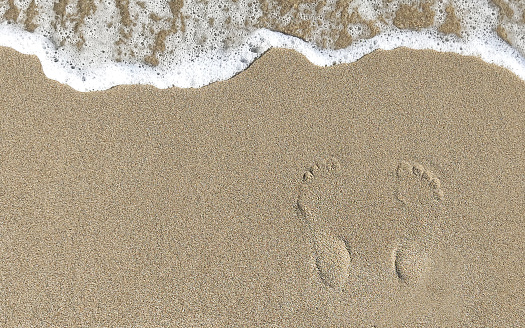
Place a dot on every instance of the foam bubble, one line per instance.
(91, 45)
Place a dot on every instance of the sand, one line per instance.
(384, 193)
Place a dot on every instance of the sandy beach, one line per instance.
(383, 193)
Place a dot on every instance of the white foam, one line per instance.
(94, 67)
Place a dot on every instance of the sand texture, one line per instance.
(384, 193)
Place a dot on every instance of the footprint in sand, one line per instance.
(419, 191)
(332, 253)
(416, 185)
(411, 262)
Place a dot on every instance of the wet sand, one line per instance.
(383, 193)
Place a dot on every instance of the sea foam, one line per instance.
(97, 44)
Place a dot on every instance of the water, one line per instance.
(97, 44)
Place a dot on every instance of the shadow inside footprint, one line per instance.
(411, 263)
(332, 259)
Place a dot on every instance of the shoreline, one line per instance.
(189, 43)
(491, 50)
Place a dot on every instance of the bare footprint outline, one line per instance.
(332, 252)
(419, 190)
(419, 177)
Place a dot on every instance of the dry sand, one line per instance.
(384, 193)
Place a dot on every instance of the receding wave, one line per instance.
(97, 44)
